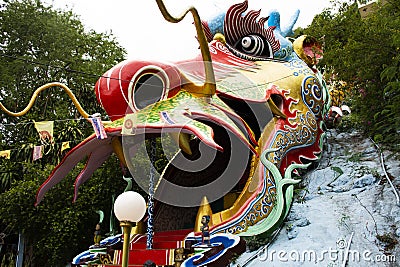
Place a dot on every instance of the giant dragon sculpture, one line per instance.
(253, 99)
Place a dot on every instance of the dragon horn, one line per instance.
(36, 94)
(209, 86)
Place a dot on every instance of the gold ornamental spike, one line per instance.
(275, 110)
(204, 209)
(209, 87)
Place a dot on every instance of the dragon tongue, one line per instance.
(185, 114)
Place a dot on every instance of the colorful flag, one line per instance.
(98, 127)
(5, 154)
(37, 152)
(45, 129)
(64, 146)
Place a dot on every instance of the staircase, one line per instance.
(164, 244)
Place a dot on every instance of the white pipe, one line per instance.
(21, 248)
(387, 176)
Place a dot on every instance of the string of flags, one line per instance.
(37, 151)
(45, 130)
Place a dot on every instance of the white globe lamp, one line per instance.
(129, 208)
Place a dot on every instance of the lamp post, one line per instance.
(129, 208)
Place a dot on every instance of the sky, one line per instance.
(141, 29)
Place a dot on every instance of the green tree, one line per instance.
(364, 53)
(39, 44)
(58, 229)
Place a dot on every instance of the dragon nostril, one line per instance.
(278, 101)
(148, 90)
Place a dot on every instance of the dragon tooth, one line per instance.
(117, 148)
(182, 139)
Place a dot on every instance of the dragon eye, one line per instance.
(254, 45)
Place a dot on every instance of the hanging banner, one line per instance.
(45, 130)
(37, 152)
(98, 127)
(5, 154)
(64, 146)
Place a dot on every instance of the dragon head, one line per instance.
(244, 114)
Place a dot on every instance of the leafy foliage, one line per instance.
(364, 53)
(338, 171)
(39, 44)
(253, 243)
(58, 229)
